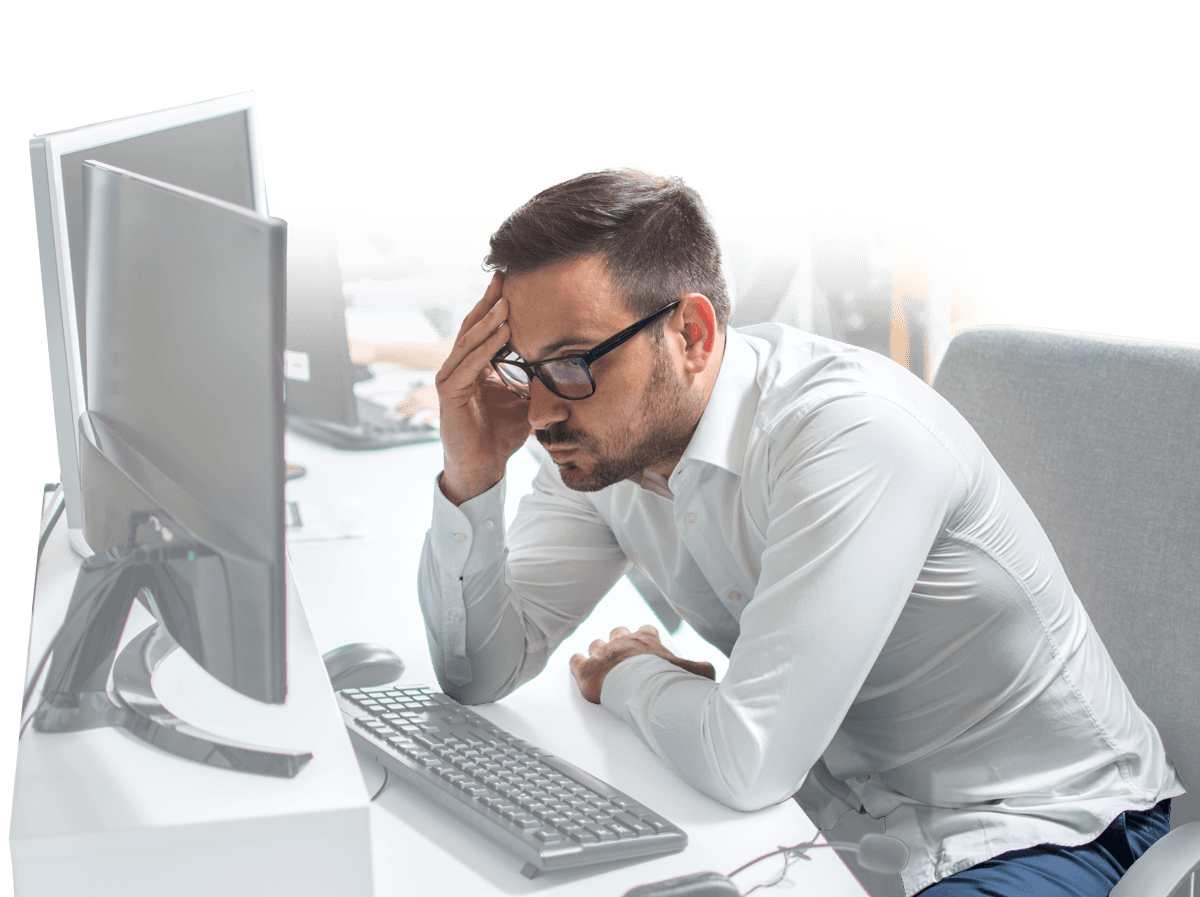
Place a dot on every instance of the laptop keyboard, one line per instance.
(547, 811)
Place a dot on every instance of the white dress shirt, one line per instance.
(901, 636)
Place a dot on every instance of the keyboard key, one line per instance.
(636, 824)
(659, 825)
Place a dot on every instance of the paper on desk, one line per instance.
(318, 520)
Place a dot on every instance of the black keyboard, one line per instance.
(546, 811)
(378, 428)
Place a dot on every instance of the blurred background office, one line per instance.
(826, 272)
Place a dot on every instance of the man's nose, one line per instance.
(545, 408)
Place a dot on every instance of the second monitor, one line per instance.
(321, 400)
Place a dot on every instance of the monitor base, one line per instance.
(149, 720)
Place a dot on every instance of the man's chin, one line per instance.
(581, 478)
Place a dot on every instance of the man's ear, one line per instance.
(699, 330)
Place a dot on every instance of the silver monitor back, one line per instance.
(209, 147)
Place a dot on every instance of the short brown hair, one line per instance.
(653, 233)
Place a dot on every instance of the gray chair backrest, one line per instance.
(1102, 438)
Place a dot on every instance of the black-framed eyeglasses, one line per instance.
(567, 376)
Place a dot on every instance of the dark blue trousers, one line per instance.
(1050, 870)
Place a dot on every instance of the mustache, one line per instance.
(559, 432)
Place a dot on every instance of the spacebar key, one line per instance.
(583, 778)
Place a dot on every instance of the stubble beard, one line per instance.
(670, 414)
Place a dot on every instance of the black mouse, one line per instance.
(361, 665)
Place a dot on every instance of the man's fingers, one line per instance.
(620, 630)
(595, 647)
(649, 630)
(576, 660)
(463, 368)
(478, 333)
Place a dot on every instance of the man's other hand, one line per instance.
(602, 656)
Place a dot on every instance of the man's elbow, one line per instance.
(750, 787)
(751, 799)
(476, 690)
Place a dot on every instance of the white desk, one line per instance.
(364, 589)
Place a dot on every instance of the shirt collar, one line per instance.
(724, 429)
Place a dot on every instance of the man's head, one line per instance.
(582, 262)
(652, 232)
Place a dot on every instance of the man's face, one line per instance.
(642, 413)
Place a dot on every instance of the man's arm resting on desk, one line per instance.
(858, 501)
(497, 604)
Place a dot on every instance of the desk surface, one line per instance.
(364, 589)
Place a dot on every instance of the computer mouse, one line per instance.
(361, 665)
(698, 884)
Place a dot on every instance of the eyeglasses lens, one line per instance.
(515, 378)
(569, 378)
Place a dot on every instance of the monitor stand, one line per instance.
(75, 694)
(78, 543)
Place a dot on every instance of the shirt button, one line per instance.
(689, 517)
(453, 614)
(488, 525)
(460, 537)
(735, 595)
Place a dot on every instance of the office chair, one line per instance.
(1102, 438)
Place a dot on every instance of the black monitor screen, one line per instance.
(186, 320)
(211, 157)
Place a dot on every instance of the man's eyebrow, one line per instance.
(550, 350)
(553, 348)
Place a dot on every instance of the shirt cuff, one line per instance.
(468, 537)
(621, 684)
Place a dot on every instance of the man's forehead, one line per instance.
(569, 304)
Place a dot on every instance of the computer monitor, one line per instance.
(209, 147)
(185, 420)
(320, 376)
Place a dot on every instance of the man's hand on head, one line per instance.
(602, 656)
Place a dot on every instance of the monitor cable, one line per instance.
(379, 791)
(115, 570)
(876, 852)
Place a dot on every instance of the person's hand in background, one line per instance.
(423, 398)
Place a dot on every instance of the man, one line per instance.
(902, 640)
